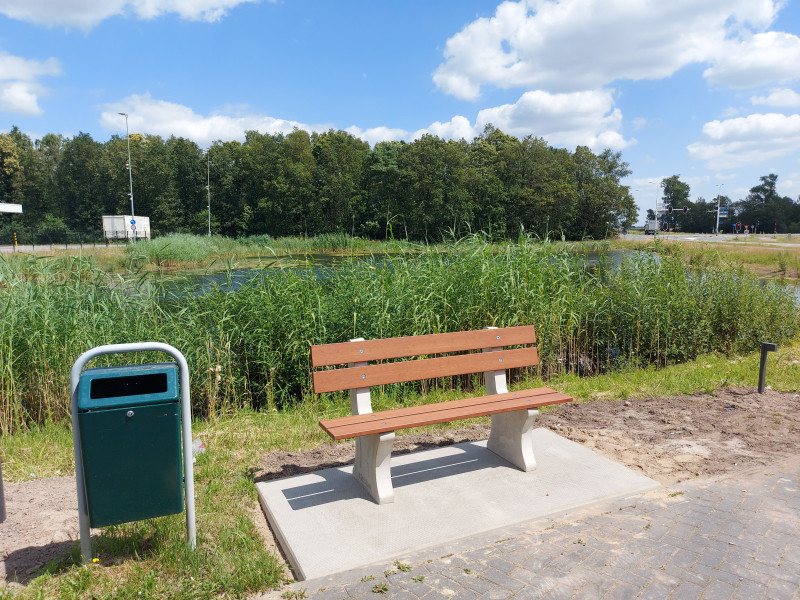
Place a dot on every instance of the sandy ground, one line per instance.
(669, 439)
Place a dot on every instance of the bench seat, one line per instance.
(416, 416)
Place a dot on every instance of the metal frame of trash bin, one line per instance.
(186, 435)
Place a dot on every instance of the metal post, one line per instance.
(186, 434)
(130, 171)
(658, 225)
(208, 189)
(716, 229)
(762, 371)
(2, 496)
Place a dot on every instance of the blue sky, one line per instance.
(707, 89)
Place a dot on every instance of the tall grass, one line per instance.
(250, 347)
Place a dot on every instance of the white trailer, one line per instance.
(650, 227)
(126, 227)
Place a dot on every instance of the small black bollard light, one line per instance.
(2, 496)
(762, 371)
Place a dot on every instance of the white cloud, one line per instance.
(764, 58)
(455, 129)
(754, 139)
(377, 134)
(576, 119)
(85, 14)
(730, 112)
(569, 120)
(158, 117)
(570, 45)
(19, 86)
(778, 97)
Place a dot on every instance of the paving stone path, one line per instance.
(735, 538)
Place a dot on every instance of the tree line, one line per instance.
(763, 210)
(308, 184)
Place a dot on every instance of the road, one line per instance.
(756, 239)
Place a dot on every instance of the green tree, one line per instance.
(604, 205)
(675, 195)
(763, 207)
(11, 170)
(299, 199)
(264, 183)
(338, 175)
(82, 201)
(542, 194)
(228, 200)
(489, 194)
(382, 186)
(41, 189)
(700, 218)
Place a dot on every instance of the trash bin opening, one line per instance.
(135, 385)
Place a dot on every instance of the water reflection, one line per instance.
(232, 279)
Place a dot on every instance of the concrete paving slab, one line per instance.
(326, 523)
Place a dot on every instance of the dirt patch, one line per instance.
(684, 437)
(41, 524)
(668, 439)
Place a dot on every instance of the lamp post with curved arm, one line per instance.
(130, 172)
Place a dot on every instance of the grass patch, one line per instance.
(150, 556)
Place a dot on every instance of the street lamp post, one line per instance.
(130, 173)
(658, 225)
(208, 189)
(716, 229)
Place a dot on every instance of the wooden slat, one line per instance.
(408, 411)
(427, 368)
(403, 418)
(437, 343)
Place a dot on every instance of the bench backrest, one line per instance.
(359, 353)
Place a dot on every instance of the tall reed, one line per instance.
(250, 347)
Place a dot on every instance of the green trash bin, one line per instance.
(130, 435)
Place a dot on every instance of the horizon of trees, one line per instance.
(763, 210)
(308, 184)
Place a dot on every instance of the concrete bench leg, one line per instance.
(373, 465)
(512, 437)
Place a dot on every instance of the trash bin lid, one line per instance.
(132, 385)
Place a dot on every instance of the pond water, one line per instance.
(232, 279)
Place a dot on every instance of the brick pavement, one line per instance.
(733, 538)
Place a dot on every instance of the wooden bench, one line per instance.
(513, 413)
